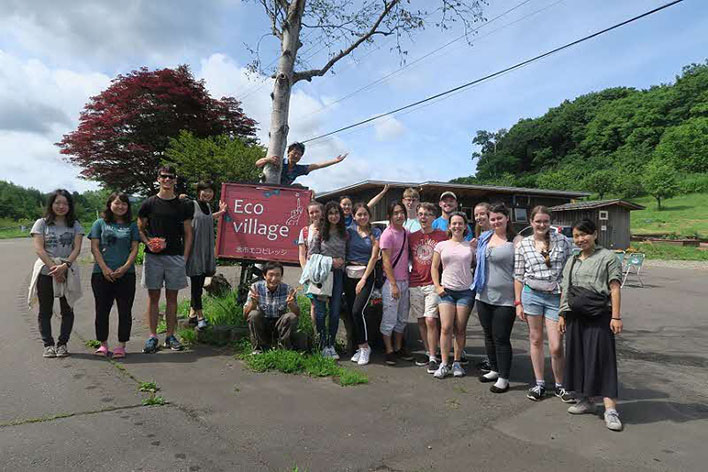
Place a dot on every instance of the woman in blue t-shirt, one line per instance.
(362, 253)
(114, 245)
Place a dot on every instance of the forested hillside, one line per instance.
(20, 203)
(619, 141)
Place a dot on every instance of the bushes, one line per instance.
(694, 183)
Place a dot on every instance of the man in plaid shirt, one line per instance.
(271, 308)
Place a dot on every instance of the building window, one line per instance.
(520, 215)
(604, 215)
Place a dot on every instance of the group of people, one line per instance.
(433, 269)
(178, 234)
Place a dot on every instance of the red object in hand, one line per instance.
(157, 244)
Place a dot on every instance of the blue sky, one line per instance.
(54, 55)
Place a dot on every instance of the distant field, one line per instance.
(685, 215)
(11, 228)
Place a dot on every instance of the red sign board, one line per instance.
(262, 222)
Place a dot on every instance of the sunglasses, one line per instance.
(168, 176)
(546, 258)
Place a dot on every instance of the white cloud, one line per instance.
(109, 31)
(39, 105)
(224, 77)
(389, 128)
(32, 160)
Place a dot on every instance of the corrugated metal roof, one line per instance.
(596, 204)
(448, 185)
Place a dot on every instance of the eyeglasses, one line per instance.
(168, 176)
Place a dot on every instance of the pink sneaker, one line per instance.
(119, 352)
(102, 351)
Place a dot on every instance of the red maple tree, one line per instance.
(124, 131)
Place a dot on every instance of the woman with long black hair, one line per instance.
(57, 242)
(114, 245)
(331, 241)
(590, 318)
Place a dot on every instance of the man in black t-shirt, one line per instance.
(165, 224)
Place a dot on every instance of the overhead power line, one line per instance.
(418, 60)
(500, 72)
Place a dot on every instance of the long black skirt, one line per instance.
(590, 357)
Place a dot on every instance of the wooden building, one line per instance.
(610, 216)
(519, 200)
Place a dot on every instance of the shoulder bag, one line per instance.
(584, 301)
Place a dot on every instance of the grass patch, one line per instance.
(349, 377)
(663, 251)
(93, 344)
(313, 365)
(188, 336)
(681, 216)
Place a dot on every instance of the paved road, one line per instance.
(84, 413)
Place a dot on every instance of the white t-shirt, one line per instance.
(311, 233)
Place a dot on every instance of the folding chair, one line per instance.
(620, 258)
(633, 265)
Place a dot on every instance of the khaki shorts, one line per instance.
(159, 270)
(424, 302)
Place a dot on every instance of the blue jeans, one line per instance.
(327, 337)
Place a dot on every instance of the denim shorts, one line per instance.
(537, 303)
(458, 297)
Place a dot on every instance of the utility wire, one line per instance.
(500, 72)
(417, 60)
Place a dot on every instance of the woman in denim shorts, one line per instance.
(453, 286)
(538, 267)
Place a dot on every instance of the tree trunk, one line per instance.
(658, 203)
(278, 134)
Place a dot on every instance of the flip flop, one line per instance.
(102, 351)
(119, 352)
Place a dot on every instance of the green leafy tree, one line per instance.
(601, 182)
(660, 180)
(216, 158)
(686, 145)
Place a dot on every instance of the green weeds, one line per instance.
(148, 387)
(313, 365)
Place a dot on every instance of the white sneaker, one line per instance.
(325, 352)
(356, 356)
(442, 372)
(333, 353)
(364, 356)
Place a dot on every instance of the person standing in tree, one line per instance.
(291, 169)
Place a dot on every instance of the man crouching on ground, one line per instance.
(271, 308)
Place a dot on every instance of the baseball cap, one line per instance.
(448, 194)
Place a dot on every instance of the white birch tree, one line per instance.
(342, 26)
